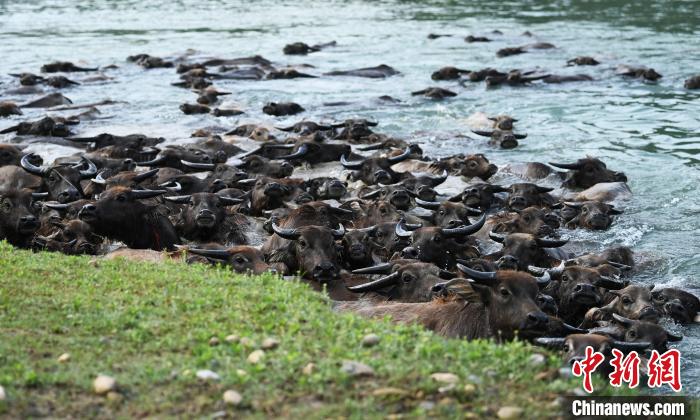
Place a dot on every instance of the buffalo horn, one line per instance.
(197, 165)
(483, 133)
(99, 180)
(145, 175)
(90, 171)
(230, 201)
(479, 276)
(572, 166)
(376, 284)
(383, 268)
(609, 283)
(211, 253)
(286, 233)
(179, 199)
(551, 243)
(433, 205)
(626, 347)
(355, 164)
(400, 158)
(498, 237)
(301, 152)
(338, 233)
(29, 167)
(403, 230)
(139, 194)
(570, 329)
(153, 162)
(39, 195)
(465, 230)
(551, 342)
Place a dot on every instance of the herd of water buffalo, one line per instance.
(379, 239)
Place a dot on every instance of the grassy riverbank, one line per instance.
(150, 327)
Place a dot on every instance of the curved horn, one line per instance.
(230, 201)
(497, 237)
(375, 146)
(620, 265)
(483, 133)
(439, 179)
(402, 230)
(536, 271)
(555, 271)
(615, 211)
(400, 158)
(609, 283)
(341, 211)
(153, 162)
(29, 167)
(519, 136)
(628, 347)
(37, 196)
(551, 243)
(543, 190)
(57, 206)
(432, 205)
(355, 164)
(544, 280)
(485, 277)
(372, 194)
(221, 254)
(376, 284)
(179, 199)
(99, 180)
(673, 337)
(446, 275)
(197, 165)
(572, 166)
(172, 186)
(465, 230)
(139, 194)
(368, 230)
(90, 171)
(291, 234)
(145, 175)
(573, 205)
(622, 320)
(375, 269)
(301, 152)
(573, 330)
(338, 233)
(551, 342)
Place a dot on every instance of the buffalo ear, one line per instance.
(482, 295)
(465, 289)
(673, 337)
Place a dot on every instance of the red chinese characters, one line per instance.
(587, 366)
(665, 369)
(625, 369)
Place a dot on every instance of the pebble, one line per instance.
(370, 340)
(448, 378)
(565, 372)
(247, 342)
(207, 375)
(509, 412)
(270, 343)
(383, 392)
(256, 356)
(214, 341)
(218, 415)
(356, 368)
(309, 369)
(233, 338)
(63, 358)
(427, 405)
(537, 359)
(232, 397)
(469, 389)
(114, 396)
(2, 393)
(447, 388)
(103, 384)
(241, 372)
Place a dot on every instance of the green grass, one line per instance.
(149, 326)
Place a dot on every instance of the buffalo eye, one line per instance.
(382, 210)
(632, 334)
(407, 278)
(660, 298)
(239, 259)
(219, 204)
(437, 238)
(472, 164)
(220, 169)
(626, 300)
(52, 178)
(121, 197)
(441, 212)
(504, 292)
(302, 243)
(565, 277)
(526, 219)
(584, 210)
(6, 206)
(380, 235)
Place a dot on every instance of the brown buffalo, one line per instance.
(678, 304)
(523, 195)
(481, 196)
(46, 126)
(204, 218)
(73, 237)
(271, 193)
(635, 331)
(448, 214)
(633, 302)
(18, 222)
(121, 214)
(505, 139)
(62, 182)
(240, 258)
(592, 215)
(377, 170)
(136, 141)
(521, 250)
(586, 172)
(532, 220)
(499, 305)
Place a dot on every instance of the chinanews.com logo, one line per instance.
(630, 369)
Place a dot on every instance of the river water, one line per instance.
(649, 131)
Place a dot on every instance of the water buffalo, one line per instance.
(8, 108)
(300, 48)
(587, 172)
(121, 214)
(505, 139)
(174, 156)
(204, 218)
(639, 72)
(136, 141)
(481, 196)
(313, 153)
(18, 222)
(448, 73)
(259, 165)
(403, 280)
(532, 220)
(377, 170)
(46, 126)
(468, 166)
(310, 250)
(357, 248)
(241, 258)
(281, 109)
(326, 188)
(440, 246)
(582, 61)
(271, 193)
(74, 237)
(435, 93)
(521, 250)
(10, 155)
(62, 182)
(524, 195)
(378, 72)
(499, 305)
(678, 304)
(634, 302)
(635, 331)
(690, 83)
(63, 67)
(448, 214)
(398, 195)
(603, 191)
(592, 215)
